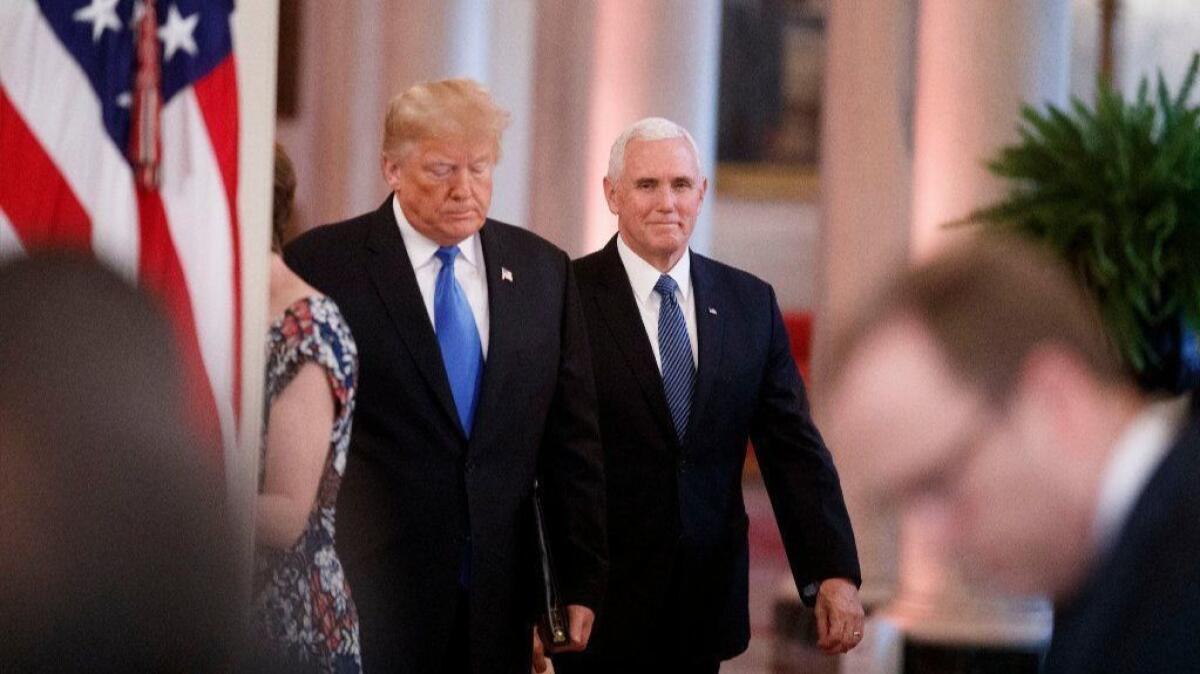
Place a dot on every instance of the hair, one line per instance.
(649, 128)
(285, 193)
(454, 108)
(989, 304)
(116, 553)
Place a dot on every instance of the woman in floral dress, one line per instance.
(302, 602)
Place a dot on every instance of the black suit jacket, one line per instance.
(1139, 610)
(416, 486)
(677, 522)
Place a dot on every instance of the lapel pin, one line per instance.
(506, 274)
(712, 311)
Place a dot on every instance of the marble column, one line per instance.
(978, 62)
(355, 56)
(865, 201)
(601, 66)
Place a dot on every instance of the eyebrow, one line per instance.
(675, 179)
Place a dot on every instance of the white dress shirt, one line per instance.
(1141, 448)
(469, 271)
(642, 277)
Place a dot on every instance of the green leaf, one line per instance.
(1114, 188)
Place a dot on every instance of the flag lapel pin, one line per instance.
(506, 274)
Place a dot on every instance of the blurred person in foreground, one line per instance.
(116, 554)
(691, 361)
(303, 604)
(982, 386)
(475, 379)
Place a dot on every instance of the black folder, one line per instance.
(552, 618)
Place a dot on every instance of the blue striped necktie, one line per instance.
(678, 371)
(462, 352)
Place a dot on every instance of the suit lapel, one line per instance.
(395, 280)
(504, 331)
(621, 315)
(708, 333)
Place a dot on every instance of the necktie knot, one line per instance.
(666, 287)
(447, 255)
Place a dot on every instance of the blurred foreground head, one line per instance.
(983, 388)
(115, 545)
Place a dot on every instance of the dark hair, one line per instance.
(117, 551)
(989, 304)
(284, 195)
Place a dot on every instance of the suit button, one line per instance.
(469, 467)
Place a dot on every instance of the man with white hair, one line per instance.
(691, 361)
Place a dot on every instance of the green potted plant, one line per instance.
(1115, 190)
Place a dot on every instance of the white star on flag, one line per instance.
(139, 10)
(176, 33)
(102, 14)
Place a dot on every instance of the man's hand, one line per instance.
(579, 621)
(539, 653)
(839, 616)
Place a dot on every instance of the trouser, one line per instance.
(458, 655)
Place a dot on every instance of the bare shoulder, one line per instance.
(287, 287)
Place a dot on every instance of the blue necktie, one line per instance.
(462, 353)
(678, 371)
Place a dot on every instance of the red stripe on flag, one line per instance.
(216, 93)
(37, 200)
(162, 274)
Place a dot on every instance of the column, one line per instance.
(356, 56)
(865, 202)
(866, 186)
(978, 62)
(600, 67)
(904, 153)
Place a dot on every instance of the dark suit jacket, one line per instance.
(1139, 610)
(416, 486)
(677, 522)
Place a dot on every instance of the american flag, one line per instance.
(119, 138)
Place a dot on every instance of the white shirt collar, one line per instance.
(643, 275)
(421, 249)
(1136, 455)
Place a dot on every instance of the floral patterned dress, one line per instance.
(302, 602)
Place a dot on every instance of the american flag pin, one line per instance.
(506, 274)
(712, 311)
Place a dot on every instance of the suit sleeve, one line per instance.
(572, 464)
(798, 471)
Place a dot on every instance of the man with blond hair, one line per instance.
(691, 361)
(475, 379)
